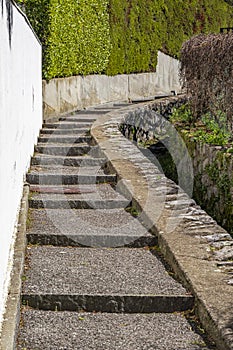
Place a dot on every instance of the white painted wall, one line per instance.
(69, 94)
(20, 121)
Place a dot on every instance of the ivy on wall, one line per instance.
(118, 36)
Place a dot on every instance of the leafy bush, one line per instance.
(182, 115)
(208, 129)
(74, 35)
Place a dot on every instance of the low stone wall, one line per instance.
(199, 250)
(212, 165)
(69, 94)
(213, 181)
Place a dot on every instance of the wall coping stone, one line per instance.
(187, 236)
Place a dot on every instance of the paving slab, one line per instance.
(87, 331)
(84, 227)
(68, 149)
(100, 279)
(45, 159)
(95, 196)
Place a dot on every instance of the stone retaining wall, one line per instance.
(212, 165)
(64, 95)
(199, 251)
(213, 181)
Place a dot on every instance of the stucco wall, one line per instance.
(69, 94)
(20, 121)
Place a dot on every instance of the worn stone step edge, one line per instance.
(64, 139)
(62, 179)
(66, 125)
(64, 149)
(110, 303)
(73, 131)
(93, 241)
(67, 161)
(78, 118)
(77, 204)
(94, 111)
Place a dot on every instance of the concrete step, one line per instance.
(44, 159)
(100, 196)
(70, 176)
(49, 330)
(94, 111)
(83, 118)
(67, 125)
(64, 139)
(79, 118)
(103, 108)
(89, 228)
(63, 150)
(54, 169)
(68, 131)
(100, 280)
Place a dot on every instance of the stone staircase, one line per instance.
(94, 277)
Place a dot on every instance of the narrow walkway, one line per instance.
(94, 278)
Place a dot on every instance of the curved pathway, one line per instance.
(94, 277)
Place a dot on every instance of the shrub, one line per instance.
(207, 73)
(139, 28)
(74, 35)
(205, 130)
(135, 36)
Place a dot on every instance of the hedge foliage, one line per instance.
(118, 36)
(74, 34)
(140, 27)
(135, 35)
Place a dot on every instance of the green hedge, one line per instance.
(183, 19)
(118, 36)
(135, 36)
(140, 27)
(74, 34)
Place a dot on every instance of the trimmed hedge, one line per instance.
(135, 36)
(183, 19)
(118, 36)
(74, 34)
(140, 27)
